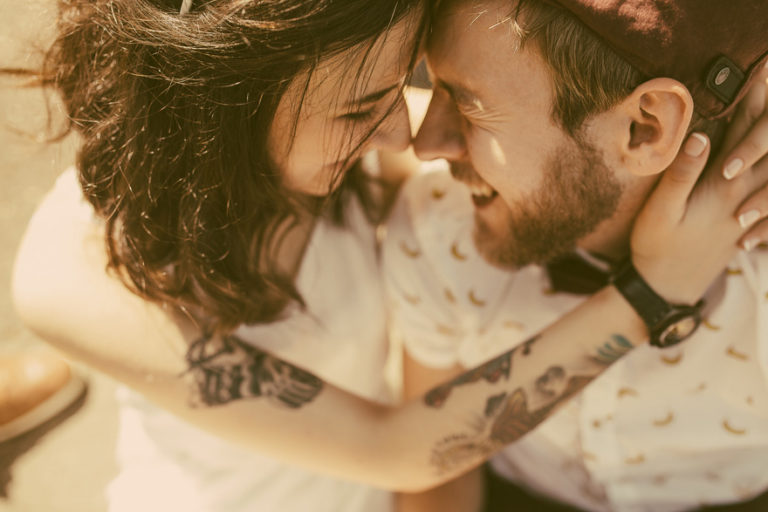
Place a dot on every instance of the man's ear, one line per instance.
(656, 116)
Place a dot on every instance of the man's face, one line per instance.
(536, 189)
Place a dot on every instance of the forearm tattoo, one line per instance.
(612, 350)
(491, 371)
(507, 416)
(227, 369)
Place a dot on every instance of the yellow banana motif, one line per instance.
(665, 421)
(455, 252)
(736, 354)
(627, 392)
(474, 300)
(411, 253)
(672, 360)
(733, 430)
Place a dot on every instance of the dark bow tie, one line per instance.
(572, 274)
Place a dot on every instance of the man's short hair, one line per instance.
(588, 77)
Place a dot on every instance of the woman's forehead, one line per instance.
(363, 72)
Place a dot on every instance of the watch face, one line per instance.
(678, 330)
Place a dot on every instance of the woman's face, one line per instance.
(347, 95)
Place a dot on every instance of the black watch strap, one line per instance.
(667, 323)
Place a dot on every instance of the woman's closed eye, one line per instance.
(357, 117)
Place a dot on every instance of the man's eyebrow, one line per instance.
(460, 94)
(371, 97)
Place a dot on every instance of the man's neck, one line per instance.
(610, 240)
(609, 243)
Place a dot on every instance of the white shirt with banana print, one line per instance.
(661, 430)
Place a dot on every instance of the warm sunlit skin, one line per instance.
(339, 111)
(63, 293)
(489, 118)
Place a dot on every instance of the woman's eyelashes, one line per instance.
(357, 117)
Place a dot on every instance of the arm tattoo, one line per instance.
(507, 415)
(229, 369)
(506, 418)
(491, 372)
(612, 350)
(550, 378)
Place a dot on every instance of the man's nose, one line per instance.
(440, 135)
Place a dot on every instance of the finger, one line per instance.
(670, 197)
(748, 151)
(756, 235)
(754, 208)
(745, 146)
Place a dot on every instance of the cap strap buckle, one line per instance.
(725, 79)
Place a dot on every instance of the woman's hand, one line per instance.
(692, 225)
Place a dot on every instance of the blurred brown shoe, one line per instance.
(34, 387)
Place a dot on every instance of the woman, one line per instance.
(219, 157)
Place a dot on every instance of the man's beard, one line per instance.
(578, 192)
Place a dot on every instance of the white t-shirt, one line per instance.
(167, 464)
(661, 430)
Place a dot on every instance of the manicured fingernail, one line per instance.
(733, 168)
(750, 243)
(746, 219)
(695, 145)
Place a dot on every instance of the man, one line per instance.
(559, 140)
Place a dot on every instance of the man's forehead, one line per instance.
(483, 14)
(462, 22)
(469, 38)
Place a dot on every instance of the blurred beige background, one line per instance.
(65, 465)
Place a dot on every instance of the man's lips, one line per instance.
(482, 193)
(480, 201)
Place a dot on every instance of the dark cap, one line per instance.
(714, 47)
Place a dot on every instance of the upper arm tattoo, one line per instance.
(227, 369)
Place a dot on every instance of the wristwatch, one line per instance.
(668, 324)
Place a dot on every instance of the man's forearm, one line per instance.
(466, 420)
(450, 429)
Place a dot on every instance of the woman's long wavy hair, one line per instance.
(174, 112)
